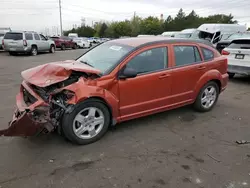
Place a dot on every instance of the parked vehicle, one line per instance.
(238, 55)
(214, 32)
(82, 42)
(227, 39)
(170, 33)
(117, 81)
(64, 42)
(186, 33)
(27, 42)
(3, 30)
(73, 35)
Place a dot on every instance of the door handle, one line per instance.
(201, 67)
(164, 76)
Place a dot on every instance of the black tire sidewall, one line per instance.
(51, 47)
(63, 47)
(198, 106)
(67, 122)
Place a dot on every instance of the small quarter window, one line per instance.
(28, 36)
(208, 54)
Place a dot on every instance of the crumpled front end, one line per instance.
(32, 115)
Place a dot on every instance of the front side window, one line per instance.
(185, 55)
(106, 56)
(42, 37)
(149, 61)
(28, 36)
(36, 36)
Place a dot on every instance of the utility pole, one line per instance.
(60, 10)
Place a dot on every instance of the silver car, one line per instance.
(27, 42)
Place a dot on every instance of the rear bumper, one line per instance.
(28, 120)
(17, 49)
(239, 69)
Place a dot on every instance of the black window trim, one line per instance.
(195, 63)
(204, 60)
(150, 72)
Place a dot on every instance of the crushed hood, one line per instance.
(51, 73)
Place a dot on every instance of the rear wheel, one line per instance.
(207, 97)
(88, 122)
(231, 75)
(33, 51)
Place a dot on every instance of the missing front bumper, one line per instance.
(23, 124)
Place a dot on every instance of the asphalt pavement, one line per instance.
(175, 149)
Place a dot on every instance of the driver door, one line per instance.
(150, 90)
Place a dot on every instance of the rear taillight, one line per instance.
(25, 43)
(224, 52)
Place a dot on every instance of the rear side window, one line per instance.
(185, 55)
(36, 36)
(240, 44)
(14, 36)
(28, 36)
(208, 54)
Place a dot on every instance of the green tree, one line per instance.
(101, 32)
(151, 26)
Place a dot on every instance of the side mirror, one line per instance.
(127, 73)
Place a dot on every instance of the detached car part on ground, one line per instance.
(117, 81)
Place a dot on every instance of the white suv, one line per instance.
(238, 55)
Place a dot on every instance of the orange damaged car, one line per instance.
(114, 82)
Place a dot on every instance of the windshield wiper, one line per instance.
(86, 63)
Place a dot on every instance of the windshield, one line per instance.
(195, 34)
(237, 35)
(183, 35)
(105, 56)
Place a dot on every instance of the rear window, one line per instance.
(240, 44)
(14, 36)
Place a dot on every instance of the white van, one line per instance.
(73, 35)
(214, 32)
(185, 33)
(170, 33)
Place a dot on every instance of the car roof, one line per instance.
(141, 41)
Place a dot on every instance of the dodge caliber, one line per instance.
(114, 82)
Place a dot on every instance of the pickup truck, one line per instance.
(64, 42)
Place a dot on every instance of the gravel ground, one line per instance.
(179, 148)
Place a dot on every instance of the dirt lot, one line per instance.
(180, 148)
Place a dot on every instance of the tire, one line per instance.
(33, 51)
(63, 47)
(70, 124)
(52, 49)
(12, 53)
(199, 105)
(231, 75)
(74, 46)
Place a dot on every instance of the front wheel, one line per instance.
(74, 46)
(88, 122)
(207, 97)
(231, 75)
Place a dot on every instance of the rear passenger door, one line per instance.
(187, 68)
(38, 42)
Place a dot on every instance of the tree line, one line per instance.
(150, 25)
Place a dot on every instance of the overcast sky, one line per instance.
(41, 14)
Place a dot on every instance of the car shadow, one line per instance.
(241, 79)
